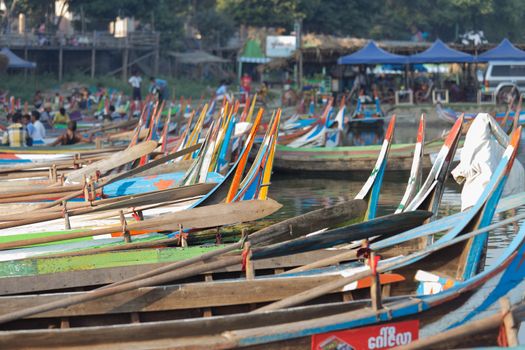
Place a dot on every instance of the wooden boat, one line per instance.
(17, 155)
(294, 327)
(316, 136)
(497, 326)
(294, 227)
(348, 158)
(416, 170)
(370, 193)
(231, 184)
(450, 116)
(358, 158)
(367, 114)
(320, 219)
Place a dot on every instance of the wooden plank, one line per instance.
(203, 217)
(310, 222)
(384, 226)
(173, 194)
(182, 297)
(104, 337)
(114, 161)
(95, 277)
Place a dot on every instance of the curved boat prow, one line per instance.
(370, 190)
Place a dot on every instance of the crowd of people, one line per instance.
(28, 129)
(31, 126)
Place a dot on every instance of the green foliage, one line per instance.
(216, 27)
(338, 17)
(216, 20)
(24, 88)
(268, 13)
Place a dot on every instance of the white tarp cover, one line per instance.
(484, 146)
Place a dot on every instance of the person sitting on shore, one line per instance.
(61, 118)
(70, 137)
(26, 122)
(46, 116)
(38, 132)
(38, 100)
(222, 92)
(15, 134)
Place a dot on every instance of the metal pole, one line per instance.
(125, 56)
(60, 62)
(298, 37)
(93, 55)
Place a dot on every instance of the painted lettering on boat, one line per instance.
(389, 337)
(373, 337)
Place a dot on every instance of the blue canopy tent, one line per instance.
(439, 52)
(16, 62)
(505, 51)
(371, 54)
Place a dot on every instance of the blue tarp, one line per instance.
(505, 51)
(15, 61)
(439, 52)
(371, 54)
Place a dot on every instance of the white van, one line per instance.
(504, 77)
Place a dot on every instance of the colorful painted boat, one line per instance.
(345, 212)
(143, 184)
(348, 158)
(17, 155)
(449, 115)
(297, 327)
(367, 114)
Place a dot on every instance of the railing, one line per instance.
(97, 39)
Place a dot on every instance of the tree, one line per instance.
(338, 17)
(268, 13)
(216, 27)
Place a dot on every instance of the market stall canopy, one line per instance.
(15, 61)
(505, 51)
(197, 57)
(372, 54)
(439, 52)
(252, 53)
(398, 68)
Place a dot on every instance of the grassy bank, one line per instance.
(25, 87)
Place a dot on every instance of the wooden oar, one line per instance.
(116, 160)
(45, 190)
(58, 163)
(153, 164)
(384, 226)
(123, 124)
